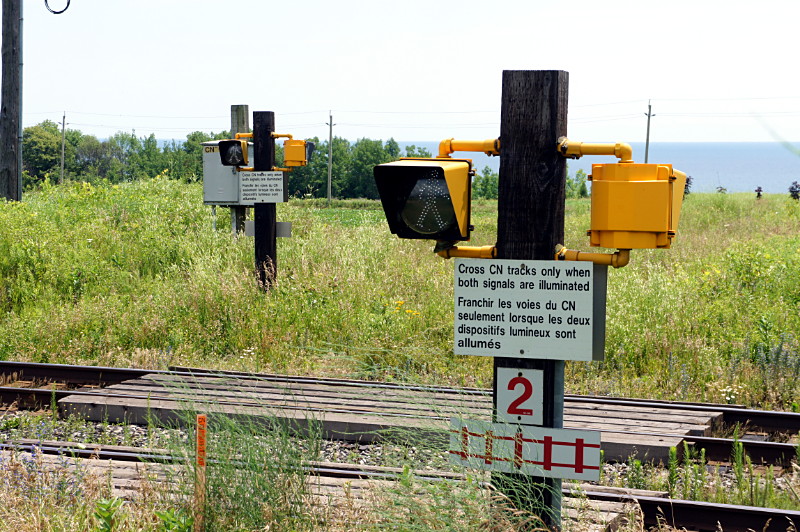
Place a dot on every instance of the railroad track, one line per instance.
(91, 380)
(655, 510)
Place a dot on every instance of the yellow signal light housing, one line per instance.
(297, 152)
(426, 198)
(635, 206)
(233, 152)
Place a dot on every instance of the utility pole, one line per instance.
(266, 245)
(63, 143)
(530, 222)
(647, 142)
(240, 123)
(330, 154)
(11, 109)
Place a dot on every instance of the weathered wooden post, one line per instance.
(10, 113)
(530, 222)
(264, 214)
(240, 123)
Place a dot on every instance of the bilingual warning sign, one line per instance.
(529, 309)
(260, 187)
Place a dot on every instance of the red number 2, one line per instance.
(514, 408)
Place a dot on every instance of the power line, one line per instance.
(496, 111)
(733, 115)
(390, 119)
(610, 118)
(604, 104)
(742, 99)
(207, 117)
(421, 126)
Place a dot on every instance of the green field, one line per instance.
(133, 274)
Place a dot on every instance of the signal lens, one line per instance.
(428, 209)
(233, 156)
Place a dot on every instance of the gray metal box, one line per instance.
(220, 183)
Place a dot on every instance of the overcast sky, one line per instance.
(414, 70)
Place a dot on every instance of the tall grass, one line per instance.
(255, 477)
(133, 274)
(694, 478)
(41, 494)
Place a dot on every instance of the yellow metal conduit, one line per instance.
(274, 135)
(448, 146)
(617, 260)
(489, 147)
(469, 252)
(576, 150)
(251, 169)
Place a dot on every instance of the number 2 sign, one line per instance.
(519, 396)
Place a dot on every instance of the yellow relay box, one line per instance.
(294, 152)
(635, 206)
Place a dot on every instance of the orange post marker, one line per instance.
(200, 479)
(201, 440)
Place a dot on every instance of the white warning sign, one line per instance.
(529, 309)
(260, 187)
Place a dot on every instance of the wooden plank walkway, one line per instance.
(364, 411)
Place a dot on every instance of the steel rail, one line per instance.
(656, 511)
(44, 395)
(100, 452)
(703, 516)
(765, 420)
(73, 450)
(717, 449)
(72, 374)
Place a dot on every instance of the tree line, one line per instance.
(121, 157)
(127, 157)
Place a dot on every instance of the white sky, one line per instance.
(414, 70)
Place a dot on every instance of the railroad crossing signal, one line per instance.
(427, 198)
(233, 152)
(296, 152)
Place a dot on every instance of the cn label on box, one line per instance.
(530, 309)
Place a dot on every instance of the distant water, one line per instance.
(736, 166)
